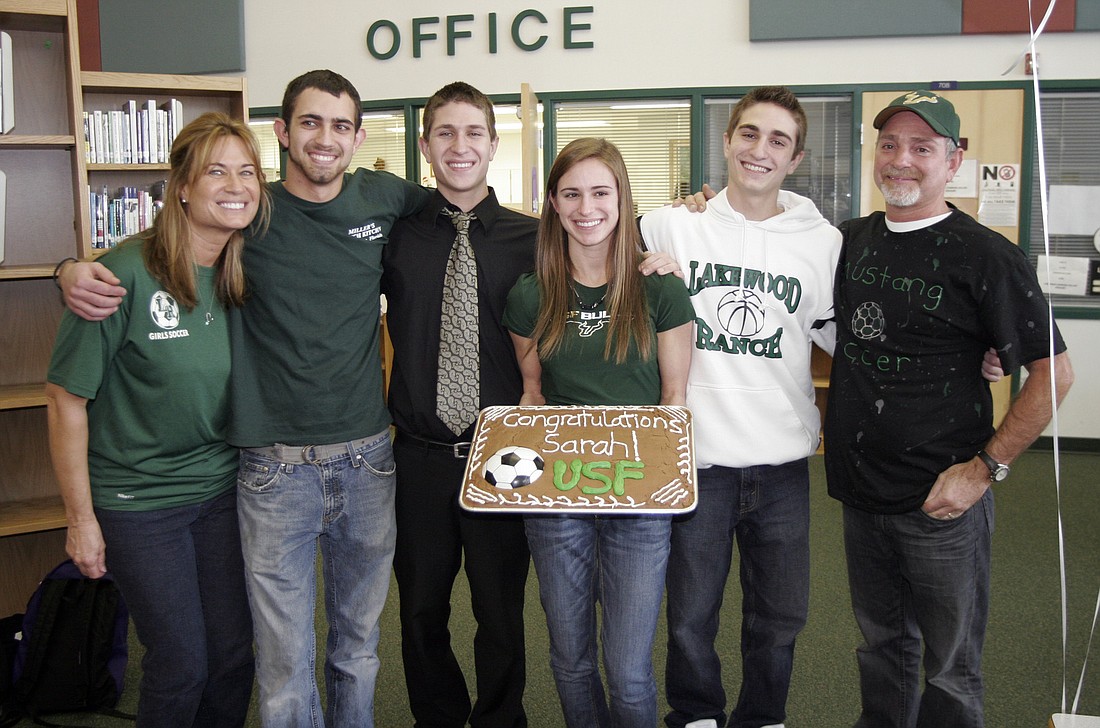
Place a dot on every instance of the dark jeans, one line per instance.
(433, 535)
(181, 573)
(916, 578)
(766, 509)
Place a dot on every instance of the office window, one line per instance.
(1071, 140)
(654, 138)
(270, 151)
(825, 173)
(384, 147)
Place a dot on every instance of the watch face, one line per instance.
(999, 473)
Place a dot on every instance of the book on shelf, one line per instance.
(7, 87)
(125, 212)
(129, 113)
(173, 111)
(136, 133)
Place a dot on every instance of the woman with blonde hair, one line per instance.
(138, 409)
(590, 329)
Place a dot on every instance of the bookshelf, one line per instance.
(108, 91)
(48, 219)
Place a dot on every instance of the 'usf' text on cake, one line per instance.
(600, 476)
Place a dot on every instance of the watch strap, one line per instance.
(997, 471)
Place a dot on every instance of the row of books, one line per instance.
(129, 210)
(134, 134)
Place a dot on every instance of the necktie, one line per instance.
(458, 387)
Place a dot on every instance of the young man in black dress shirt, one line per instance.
(434, 534)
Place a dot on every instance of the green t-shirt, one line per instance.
(306, 363)
(577, 373)
(156, 377)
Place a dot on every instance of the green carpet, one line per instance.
(1023, 656)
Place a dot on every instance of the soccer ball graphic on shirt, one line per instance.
(868, 321)
(741, 312)
(513, 467)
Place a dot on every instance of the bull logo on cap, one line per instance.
(916, 97)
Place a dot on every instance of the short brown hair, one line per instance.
(323, 80)
(464, 93)
(782, 97)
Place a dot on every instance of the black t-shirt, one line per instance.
(414, 264)
(915, 314)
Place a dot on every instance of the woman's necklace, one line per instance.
(209, 316)
(587, 306)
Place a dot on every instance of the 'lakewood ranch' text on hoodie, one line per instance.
(762, 291)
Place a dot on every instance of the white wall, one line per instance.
(645, 45)
(637, 45)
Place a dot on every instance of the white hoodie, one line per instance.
(761, 291)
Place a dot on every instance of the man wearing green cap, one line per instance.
(922, 291)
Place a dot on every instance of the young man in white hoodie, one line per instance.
(759, 264)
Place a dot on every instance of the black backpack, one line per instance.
(11, 629)
(72, 655)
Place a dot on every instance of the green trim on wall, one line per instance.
(411, 114)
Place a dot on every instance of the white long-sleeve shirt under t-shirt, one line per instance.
(762, 292)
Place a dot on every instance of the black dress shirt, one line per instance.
(414, 264)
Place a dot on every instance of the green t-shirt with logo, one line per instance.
(578, 373)
(306, 363)
(156, 378)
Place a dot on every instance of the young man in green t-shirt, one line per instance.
(307, 410)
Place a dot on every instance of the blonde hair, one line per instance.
(626, 296)
(167, 249)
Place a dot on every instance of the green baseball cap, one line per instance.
(928, 105)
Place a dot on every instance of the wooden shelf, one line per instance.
(31, 515)
(160, 83)
(99, 167)
(48, 15)
(18, 396)
(37, 141)
(26, 272)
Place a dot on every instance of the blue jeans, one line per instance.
(180, 572)
(913, 577)
(618, 561)
(344, 501)
(766, 508)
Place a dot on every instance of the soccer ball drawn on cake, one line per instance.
(513, 467)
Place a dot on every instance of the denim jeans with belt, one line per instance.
(766, 509)
(916, 578)
(180, 572)
(620, 562)
(290, 499)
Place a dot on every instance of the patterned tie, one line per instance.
(458, 386)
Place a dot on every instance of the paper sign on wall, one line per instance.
(1069, 276)
(999, 195)
(1074, 209)
(965, 183)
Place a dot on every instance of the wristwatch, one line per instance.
(997, 471)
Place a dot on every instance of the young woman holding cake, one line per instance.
(589, 329)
